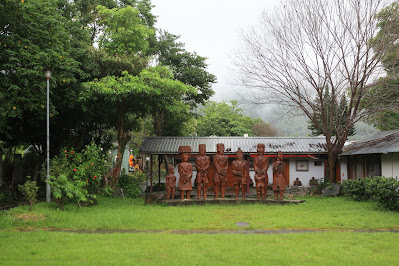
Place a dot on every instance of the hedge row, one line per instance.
(384, 190)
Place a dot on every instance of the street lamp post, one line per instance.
(47, 74)
(147, 159)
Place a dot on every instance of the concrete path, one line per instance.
(207, 232)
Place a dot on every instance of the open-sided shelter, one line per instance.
(304, 157)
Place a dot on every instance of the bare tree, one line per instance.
(304, 47)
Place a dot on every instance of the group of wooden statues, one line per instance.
(220, 161)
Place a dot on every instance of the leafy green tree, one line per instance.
(223, 119)
(388, 32)
(187, 67)
(135, 96)
(35, 35)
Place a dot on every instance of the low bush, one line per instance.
(132, 183)
(384, 190)
(29, 190)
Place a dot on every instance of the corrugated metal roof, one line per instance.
(384, 142)
(170, 145)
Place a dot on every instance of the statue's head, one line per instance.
(202, 149)
(260, 149)
(240, 155)
(279, 156)
(220, 148)
(185, 153)
(171, 170)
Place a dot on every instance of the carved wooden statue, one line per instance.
(239, 171)
(220, 162)
(170, 183)
(313, 182)
(202, 163)
(279, 182)
(185, 171)
(261, 164)
(297, 182)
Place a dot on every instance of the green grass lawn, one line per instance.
(338, 244)
(115, 213)
(328, 248)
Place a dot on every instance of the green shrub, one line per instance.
(29, 190)
(383, 190)
(77, 176)
(131, 184)
(66, 189)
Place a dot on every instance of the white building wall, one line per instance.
(344, 168)
(304, 176)
(390, 164)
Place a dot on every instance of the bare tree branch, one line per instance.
(304, 47)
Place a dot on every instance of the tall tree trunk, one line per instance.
(158, 124)
(122, 142)
(332, 160)
(1, 167)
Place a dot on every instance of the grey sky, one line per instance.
(211, 28)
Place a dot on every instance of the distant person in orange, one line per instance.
(131, 160)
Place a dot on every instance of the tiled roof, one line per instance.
(384, 142)
(170, 145)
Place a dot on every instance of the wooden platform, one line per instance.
(185, 202)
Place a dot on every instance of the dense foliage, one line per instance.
(389, 32)
(227, 119)
(383, 190)
(102, 80)
(77, 176)
(132, 184)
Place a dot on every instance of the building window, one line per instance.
(302, 165)
(318, 163)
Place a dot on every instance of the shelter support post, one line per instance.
(151, 173)
(159, 173)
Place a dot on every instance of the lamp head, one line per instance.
(47, 73)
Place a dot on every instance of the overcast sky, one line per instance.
(211, 29)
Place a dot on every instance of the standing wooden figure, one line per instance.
(261, 164)
(185, 172)
(279, 182)
(202, 163)
(239, 172)
(220, 162)
(170, 183)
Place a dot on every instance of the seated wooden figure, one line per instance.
(185, 169)
(261, 164)
(279, 182)
(170, 183)
(297, 182)
(220, 162)
(239, 172)
(202, 165)
(313, 182)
